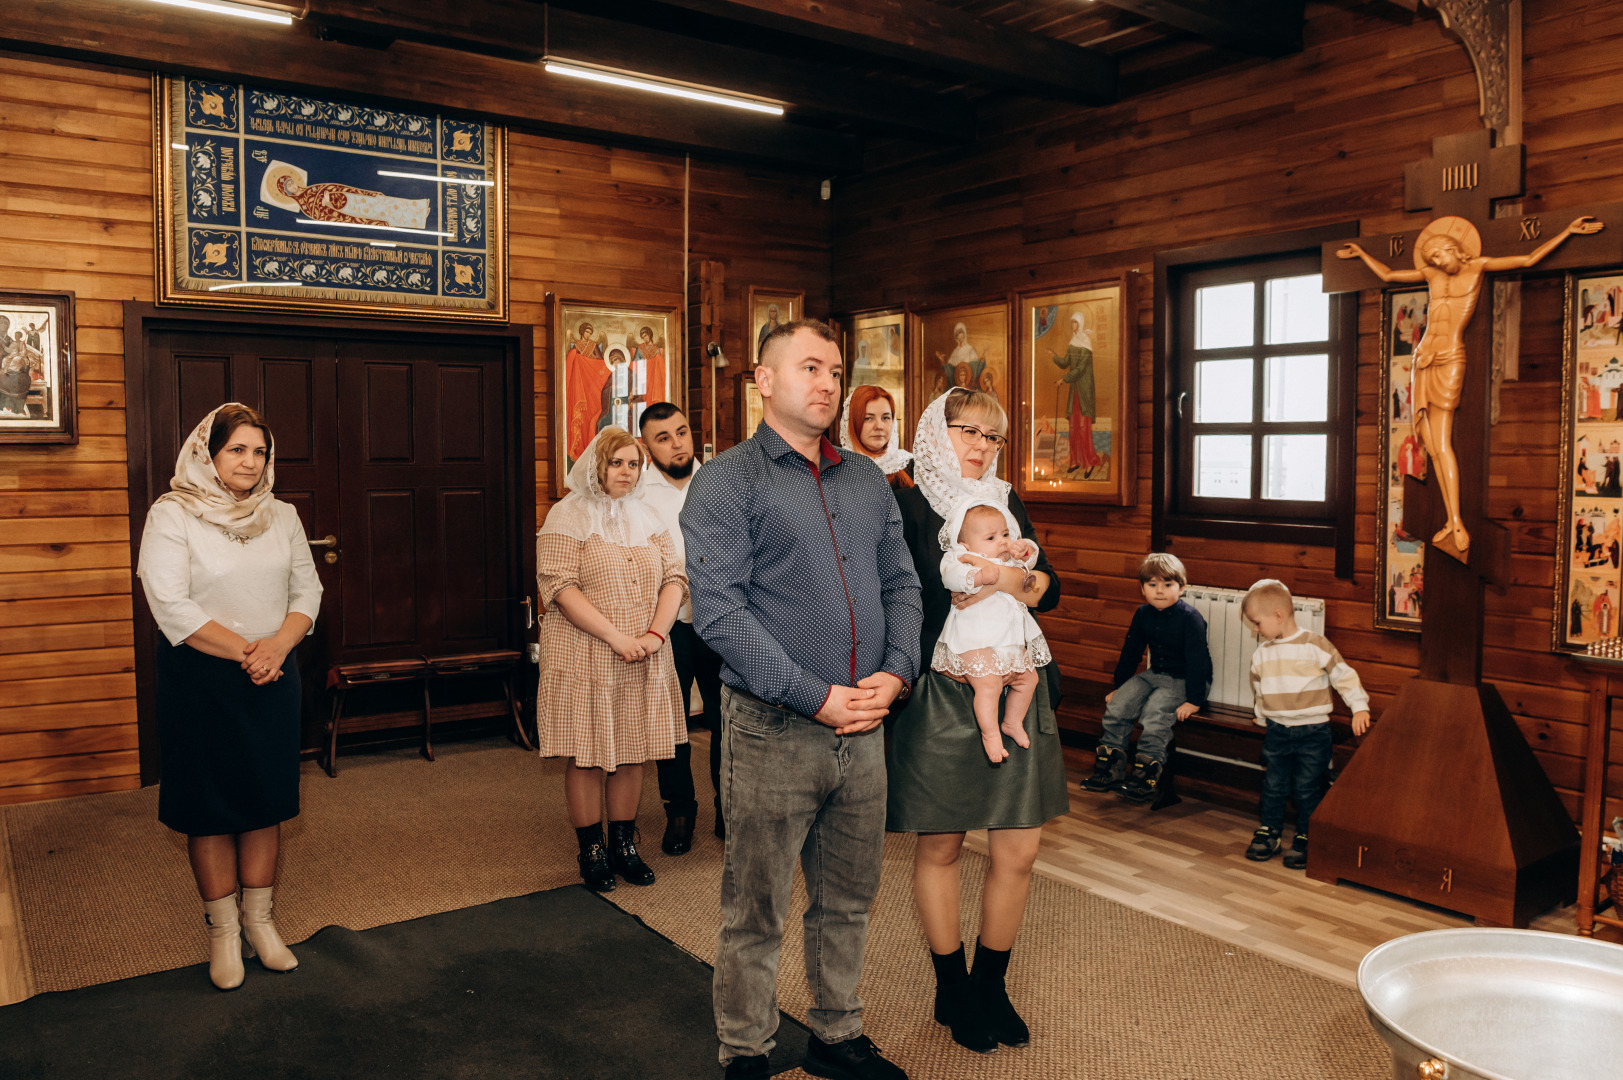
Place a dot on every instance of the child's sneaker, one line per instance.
(1265, 844)
(1109, 770)
(1296, 857)
(1144, 783)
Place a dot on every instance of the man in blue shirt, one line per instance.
(802, 582)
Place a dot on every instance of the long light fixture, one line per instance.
(241, 11)
(658, 86)
(437, 179)
(364, 225)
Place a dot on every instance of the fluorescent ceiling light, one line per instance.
(363, 225)
(656, 86)
(240, 10)
(437, 179)
(254, 285)
(384, 243)
(178, 146)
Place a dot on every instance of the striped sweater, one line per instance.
(1292, 676)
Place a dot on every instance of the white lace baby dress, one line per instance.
(996, 636)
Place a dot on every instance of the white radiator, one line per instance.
(1232, 642)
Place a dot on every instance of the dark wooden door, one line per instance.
(426, 536)
(400, 449)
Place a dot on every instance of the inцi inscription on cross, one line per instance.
(1459, 183)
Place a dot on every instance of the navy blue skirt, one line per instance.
(228, 750)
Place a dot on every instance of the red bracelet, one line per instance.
(657, 634)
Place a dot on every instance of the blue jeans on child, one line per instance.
(1298, 764)
(1153, 701)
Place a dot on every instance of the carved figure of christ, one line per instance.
(1448, 259)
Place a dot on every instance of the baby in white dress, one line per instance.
(994, 643)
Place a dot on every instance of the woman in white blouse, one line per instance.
(228, 575)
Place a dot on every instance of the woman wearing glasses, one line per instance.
(941, 781)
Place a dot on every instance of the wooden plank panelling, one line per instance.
(1054, 195)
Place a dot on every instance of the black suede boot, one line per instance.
(594, 858)
(956, 1006)
(990, 968)
(623, 855)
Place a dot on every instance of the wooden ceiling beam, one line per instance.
(520, 94)
(940, 38)
(1258, 27)
(522, 30)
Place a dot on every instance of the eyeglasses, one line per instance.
(974, 435)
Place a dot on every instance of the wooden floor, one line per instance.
(1185, 864)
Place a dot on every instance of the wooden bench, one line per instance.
(1217, 753)
(342, 678)
(502, 663)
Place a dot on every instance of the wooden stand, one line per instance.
(1597, 757)
(1445, 803)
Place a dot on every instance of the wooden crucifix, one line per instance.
(1444, 802)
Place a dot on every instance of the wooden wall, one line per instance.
(1066, 195)
(586, 221)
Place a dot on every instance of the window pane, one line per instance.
(1223, 466)
(1297, 389)
(1223, 391)
(1224, 315)
(1298, 310)
(1294, 467)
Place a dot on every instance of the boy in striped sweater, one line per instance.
(1292, 672)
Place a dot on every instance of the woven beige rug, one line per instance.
(1110, 993)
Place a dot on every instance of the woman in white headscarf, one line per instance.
(871, 429)
(941, 782)
(1076, 372)
(228, 576)
(611, 586)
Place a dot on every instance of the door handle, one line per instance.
(529, 613)
(1181, 397)
(331, 543)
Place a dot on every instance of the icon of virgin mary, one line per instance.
(288, 187)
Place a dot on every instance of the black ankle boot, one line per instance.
(990, 968)
(956, 1005)
(623, 855)
(594, 858)
(679, 820)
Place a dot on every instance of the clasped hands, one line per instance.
(262, 660)
(634, 650)
(852, 710)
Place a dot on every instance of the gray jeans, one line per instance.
(792, 788)
(1153, 701)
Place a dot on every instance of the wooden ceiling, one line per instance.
(846, 70)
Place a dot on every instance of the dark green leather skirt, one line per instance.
(941, 780)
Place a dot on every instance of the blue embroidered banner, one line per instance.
(287, 199)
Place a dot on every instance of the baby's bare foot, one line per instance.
(993, 744)
(1016, 731)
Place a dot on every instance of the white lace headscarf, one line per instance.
(894, 459)
(589, 511)
(197, 487)
(937, 472)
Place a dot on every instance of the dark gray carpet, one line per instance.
(557, 984)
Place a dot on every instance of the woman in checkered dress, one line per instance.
(611, 585)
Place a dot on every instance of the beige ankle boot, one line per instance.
(225, 942)
(260, 931)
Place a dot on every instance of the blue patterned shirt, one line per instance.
(800, 577)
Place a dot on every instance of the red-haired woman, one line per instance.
(871, 427)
